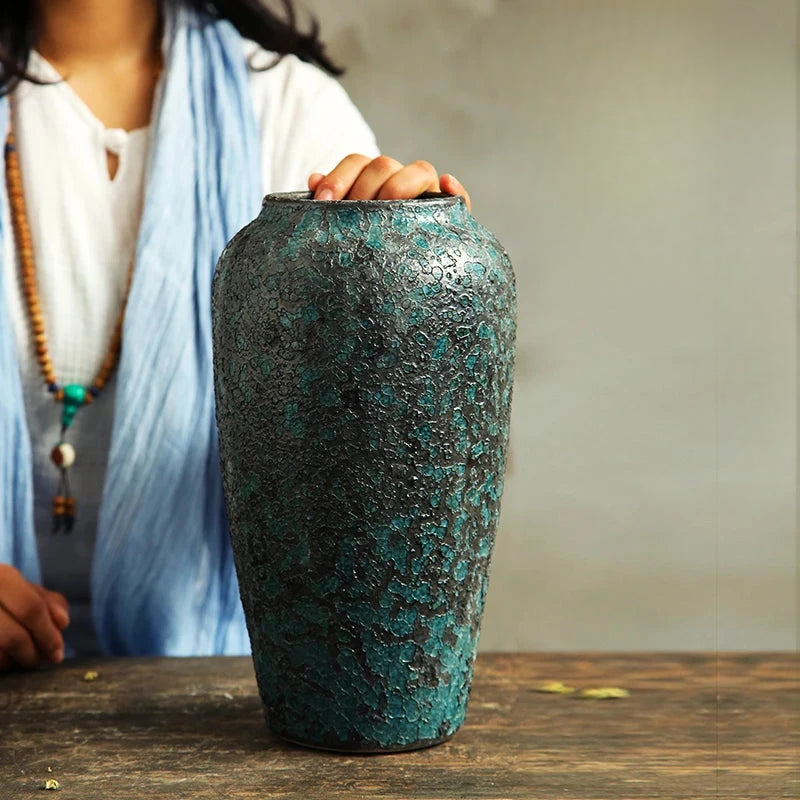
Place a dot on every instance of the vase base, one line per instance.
(367, 749)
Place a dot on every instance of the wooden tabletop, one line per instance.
(694, 726)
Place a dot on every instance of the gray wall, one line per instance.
(638, 160)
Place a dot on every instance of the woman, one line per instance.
(141, 138)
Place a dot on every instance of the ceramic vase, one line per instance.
(363, 359)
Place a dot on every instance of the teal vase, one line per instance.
(363, 359)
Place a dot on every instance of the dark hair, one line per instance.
(252, 18)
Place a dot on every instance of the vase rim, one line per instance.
(436, 199)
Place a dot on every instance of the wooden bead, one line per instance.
(63, 455)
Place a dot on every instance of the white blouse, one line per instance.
(84, 226)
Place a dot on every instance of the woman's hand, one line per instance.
(31, 621)
(359, 177)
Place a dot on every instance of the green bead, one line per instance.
(74, 396)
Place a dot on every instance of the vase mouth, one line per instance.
(426, 200)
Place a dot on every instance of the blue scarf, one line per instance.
(163, 579)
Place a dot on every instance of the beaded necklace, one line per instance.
(72, 395)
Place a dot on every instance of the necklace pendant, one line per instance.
(63, 456)
(74, 398)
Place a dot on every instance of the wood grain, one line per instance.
(695, 726)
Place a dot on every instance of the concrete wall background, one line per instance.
(638, 159)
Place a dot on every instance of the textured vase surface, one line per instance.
(363, 359)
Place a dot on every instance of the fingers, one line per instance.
(373, 177)
(313, 180)
(16, 644)
(411, 181)
(451, 185)
(358, 177)
(26, 624)
(336, 184)
(57, 605)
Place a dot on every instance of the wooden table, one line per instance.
(695, 726)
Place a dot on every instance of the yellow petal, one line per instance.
(604, 693)
(555, 687)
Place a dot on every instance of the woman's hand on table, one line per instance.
(360, 177)
(31, 621)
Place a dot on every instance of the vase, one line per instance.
(363, 360)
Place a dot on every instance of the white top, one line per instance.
(84, 227)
